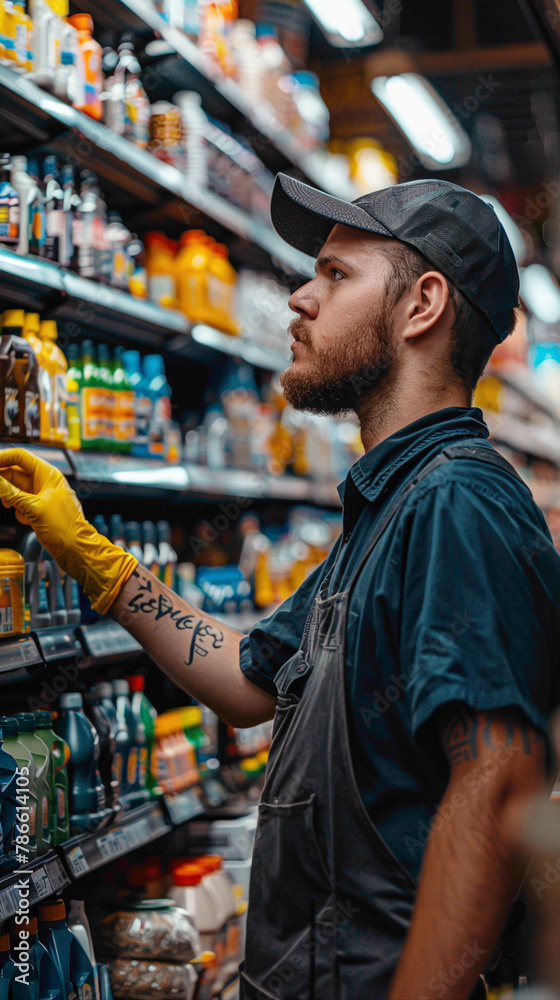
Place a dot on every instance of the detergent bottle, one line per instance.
(42, 982)
(44, 779)
(60, 753)
(25, 793)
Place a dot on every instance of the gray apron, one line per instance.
(329, 903)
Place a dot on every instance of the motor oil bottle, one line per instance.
(25, 794)
(57, 367)
(35, 586)
(8, 969)
(55, 222)
(43, 980)
(44, 779)
(88, 809)
(13, 617)
(60, 754)
(78, 925)
(104, 691)
(107, 746)
(132, 537)
(135, 778)
(8, 389)
(8, 773)
(58, 941)
(146, 716)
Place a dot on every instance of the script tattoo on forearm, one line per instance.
(160, 605)
(466, 730)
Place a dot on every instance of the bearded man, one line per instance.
(412, 675)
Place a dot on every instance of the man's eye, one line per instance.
(336, 274)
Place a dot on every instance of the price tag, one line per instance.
(59, 878)
(42, 883)
(183, 807)
(77, 861)
(138, 833)
(18, 653)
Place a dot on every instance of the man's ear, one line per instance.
(426, 303)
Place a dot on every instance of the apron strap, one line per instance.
(478, 452)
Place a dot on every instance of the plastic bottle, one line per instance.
(167, 554)
(221, 290)
(7, 967)
(104, 725)
(124, 415)
(74, 387)
(116, 530)
(56, 365)
(78, 925)
(37, 214)
(145, 715)
(55, 592)
(189, 893)
(135, 778)
(68, 78)
(8, 793)
(43, 981)
(192, 269)
(112, 98)
(23, 25)
(151, 553)
(36, 605)
(9, 206)
(193, 129)
(25, 188)
(12, 608)
(86, 793)
(136, 103)
(26, 374)
(54, 196)
(104, 691)
(106, 397)
(91, 399)
(143, 404)
(68, 251)
(60, 753)
(94, 249)
(160, 269)
(159, 391)
(26, 795)
(91, 54)
(75, 971)
(44, 779)
(119, 237)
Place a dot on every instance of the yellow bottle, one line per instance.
(221, 290)
(193, 270)
(160, 270)
(56, 367)
(74, 440)
(11, 593)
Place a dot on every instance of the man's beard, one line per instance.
(360, 366)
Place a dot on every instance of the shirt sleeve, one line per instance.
(479, 606)
(274, 639)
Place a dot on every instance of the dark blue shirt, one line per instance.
(460, 601)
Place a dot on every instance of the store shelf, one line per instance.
(537, 440)
(108, 639)
(183, 806)
(32, 883)
(20, 659)
(522, 380)
(141, 180)
(87, 852)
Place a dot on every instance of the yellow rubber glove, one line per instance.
(43, 499)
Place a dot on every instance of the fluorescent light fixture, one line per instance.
(540, 293)
(513, 232)
(345, 23)
(424, 119)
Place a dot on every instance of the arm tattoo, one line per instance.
(466, 731)
(162, 607)
(459, 738)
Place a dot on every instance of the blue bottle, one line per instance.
(88, 808)
(133, 784)
(8, 801)
(58, 941)
(42, 979)
(7, 967)
(159, 391)
(143, 403)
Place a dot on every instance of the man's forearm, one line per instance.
(196, 651)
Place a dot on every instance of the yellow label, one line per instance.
(132, 771)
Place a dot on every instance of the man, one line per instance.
(411, 676)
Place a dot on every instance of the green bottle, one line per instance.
(107, 397)
(75, 378)
(124, 425)
(60, 752)
(26, 786)
(146, 715)
(44, 779)
(90, 400)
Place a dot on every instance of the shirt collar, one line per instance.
(374, 471)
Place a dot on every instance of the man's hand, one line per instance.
(43, 499)
(472, 867)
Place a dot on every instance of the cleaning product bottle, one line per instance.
(124, 417)
(78, 925)
(145, 715)
(159, 391)
(160, 268)
(25, 793)
(135, 777)
(43, 981)
(87, 795)
(74, 387)
(91, 55)
(8, 793)
(95, 711)
(91, 399)
(25, 188)
(12, 604)
(104, 691)
(44, 779)
(35, 582)
(60, 753)
(57, 367)
(106, 397)
(8, 970)
(151, 554)
(167, 555)
(143, 404)
(75, 975)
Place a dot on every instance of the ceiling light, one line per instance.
(346, 23)
(425, 120)
(541, 293)
(513, 232)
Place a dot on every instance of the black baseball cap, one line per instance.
(458, 232)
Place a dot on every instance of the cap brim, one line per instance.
(304, 216)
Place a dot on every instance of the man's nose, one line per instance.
(304, 301)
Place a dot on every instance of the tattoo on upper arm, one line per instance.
(467, 731)
(161, 606)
